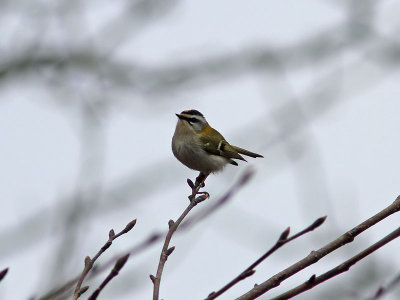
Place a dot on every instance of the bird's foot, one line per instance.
(199, 183)
(200, 180)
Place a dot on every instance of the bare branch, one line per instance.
(156, 236)
(89, 262)
(282, 240)
(173, 226)
(315, 256)
(3, 274)
(114, 272)
(345, 266)
(220, 202)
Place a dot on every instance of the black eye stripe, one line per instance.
(189, 119)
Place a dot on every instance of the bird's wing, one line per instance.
(217, 145)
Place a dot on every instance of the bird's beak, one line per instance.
(183, 117)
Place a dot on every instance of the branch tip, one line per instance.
(130, 225)
(190, 183)
(312, 279)
(83, 290)
(171, 223)
(152, 278)
(121, 262)
(285, 234)
(170, 250)
(88, 261)
(248, 273)
(379, 292)
(3, 273)
(111, 234)
(318, 222)
(202, 197)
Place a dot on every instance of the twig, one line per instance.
(114, 272)
(3, 273)
(383, 290)
(212, 207)
(156, 236)
(345, 266)
(283, 239)
(315, 256)
(173, 226)
(89, 262)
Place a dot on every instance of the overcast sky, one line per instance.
(311, 85)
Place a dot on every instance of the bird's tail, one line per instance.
(246, 152)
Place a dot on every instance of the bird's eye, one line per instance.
(193, 120)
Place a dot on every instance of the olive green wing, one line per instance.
(217, 145)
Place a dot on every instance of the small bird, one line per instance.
(200, 147)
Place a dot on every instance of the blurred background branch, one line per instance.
(88, 91)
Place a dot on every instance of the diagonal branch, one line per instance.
(345, 266)
(315, 256)
(173, 226)
(283, 239)
(114, 272)
(90, 262)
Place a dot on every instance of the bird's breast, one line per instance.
(188, 150)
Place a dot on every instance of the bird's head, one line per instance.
(192, 119)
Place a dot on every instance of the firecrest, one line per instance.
(200, 147)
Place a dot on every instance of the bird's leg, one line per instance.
(201, 179)
(198, 185)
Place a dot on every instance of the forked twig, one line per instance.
(283, 239)
(173, 226)
(343, 267)
(89, 262)
(114, 272)
(315, 256)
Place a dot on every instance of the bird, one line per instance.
(202, 148)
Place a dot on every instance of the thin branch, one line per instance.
(383, 290)
(283, 239)
(156, 236)
(173, 226)
(315, 256)
(215, 205)
(3, 274)
(345, 266)
(114, 272)
(89, 262)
